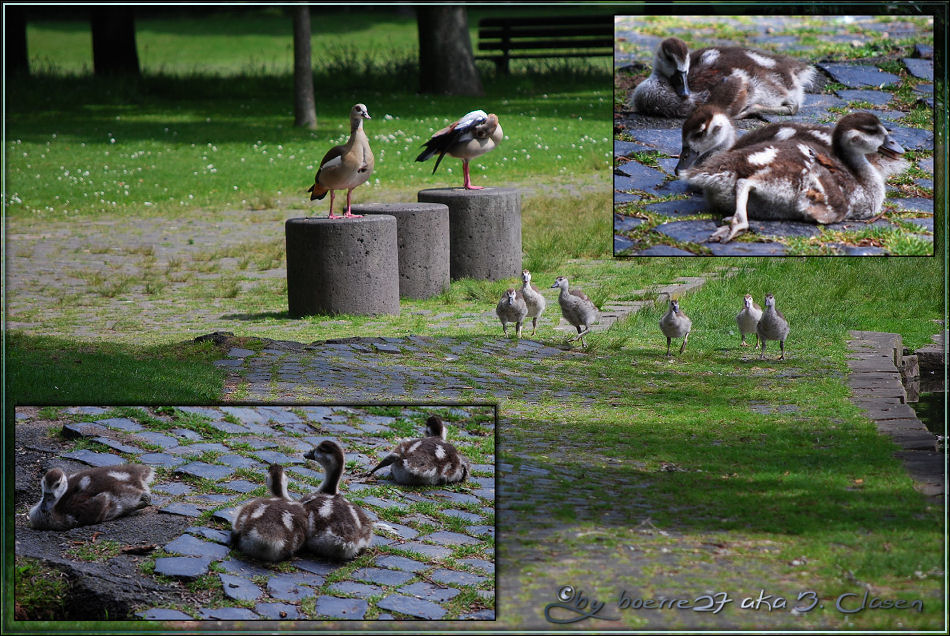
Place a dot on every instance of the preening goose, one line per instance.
(511, 308)
(576, 308)
(748, 319)
(675, 324)
(471, 136)
(532, 299)
(345, 167)
(744, 82)
(90, 496)
(426, 461)
(270, 528)
(772, 326)
(338, 529)
(797, 179)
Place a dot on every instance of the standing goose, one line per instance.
(345, 167)
(338, 529)
(426, 461)
(472, 136)
(90, 496)
(270, 528)
(748, 319)
(772, 326)
(576, 308)
(675, 324)
(797, 179)
(745, 82)
(511, 308)
(533, 299)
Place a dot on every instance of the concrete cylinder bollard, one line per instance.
(484, 231)
(422, 230)
(342, 266)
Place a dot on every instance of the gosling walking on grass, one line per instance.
(675, 324)
(772, 326)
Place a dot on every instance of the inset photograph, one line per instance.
(244, 513)
(773, 136)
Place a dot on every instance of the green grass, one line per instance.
(40, 591)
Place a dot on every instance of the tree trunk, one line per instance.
(113, 41)
(446, 62)
(14, 41)
(305, 110)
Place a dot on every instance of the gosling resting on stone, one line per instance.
(675, 324)
(426, 461)
(270, 528)
(90, 496)
(345, 167)
(772, 326)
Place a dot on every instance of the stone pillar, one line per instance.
(422, 230)
(342, 266)
(484, 231)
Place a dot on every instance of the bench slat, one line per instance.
(547, 31)
(547, 44)
(548, 20)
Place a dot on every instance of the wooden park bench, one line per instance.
(504, 39)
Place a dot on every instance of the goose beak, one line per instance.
(688, 157)
(890, 148)
(680, 85)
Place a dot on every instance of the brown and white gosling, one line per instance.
(772, 326)
(576, 307)
(271, 528)
(338, 529)
(512, 308)
(533, 299)
(90, 496)
(426, 461)
(675, 324)
(748, 319)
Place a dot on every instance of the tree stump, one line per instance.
(342, 266)
(484, 231)
(422, 231)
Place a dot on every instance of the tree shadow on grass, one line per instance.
(261, 315)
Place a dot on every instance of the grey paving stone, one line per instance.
(293, 587)
(857, 75)
(625, 197)
(643, 177)
(245, 414)
(204, 447)
(239, 461)
(455, 497)
(923, 69)
(87, 410)
(878, 98)
(191, 546)
(444, 537)
(746, 249)
(923, 50)
(687, 231)
(162, 614)
(912, 138)
(411, 606)
(241, 485)
(626, 223)
(318, 412)
(480, 615)
(228, 427)
(355, 589)
(461, 514)
(279, 611)
(853, 226)
(205, 471)
(485, 493)
(919, 204)
(238, 588)
(81, 429)
(95, 459)
(453, 577)
(321, 568)
(244, 568)
(682, 207)
(278, 415)
(345, 608)
(218, 536)
(226, 515)
(227, 614)
(663, 250)
(305, 472)
(121, 424)
(237, 352)
(172, 488)
(182, 509)
(782, 229)
(164, 441)
(400, 530)
(161, 459)
(118, 446)
(926, 223)
(481, 530)
(201, 410)
(214, 499)
(667, 141)
(184, 567)
(382, 577)
(274, 457)
(394, 562)
(186, 433)
(480, 564)
(429, 592)
(627, 148)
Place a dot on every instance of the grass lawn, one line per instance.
(142, 214)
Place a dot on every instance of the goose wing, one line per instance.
(459, 132)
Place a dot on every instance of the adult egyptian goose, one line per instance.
(339, 529)
(745, 82)
(576, 308)
(675, 324)
(798, 179)
(532, 299)
(772, 326)
(426, 461)
(345, 167)
(271, 528)
(471, 136)
(90, 496)
(748, 319)
(511, 308)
